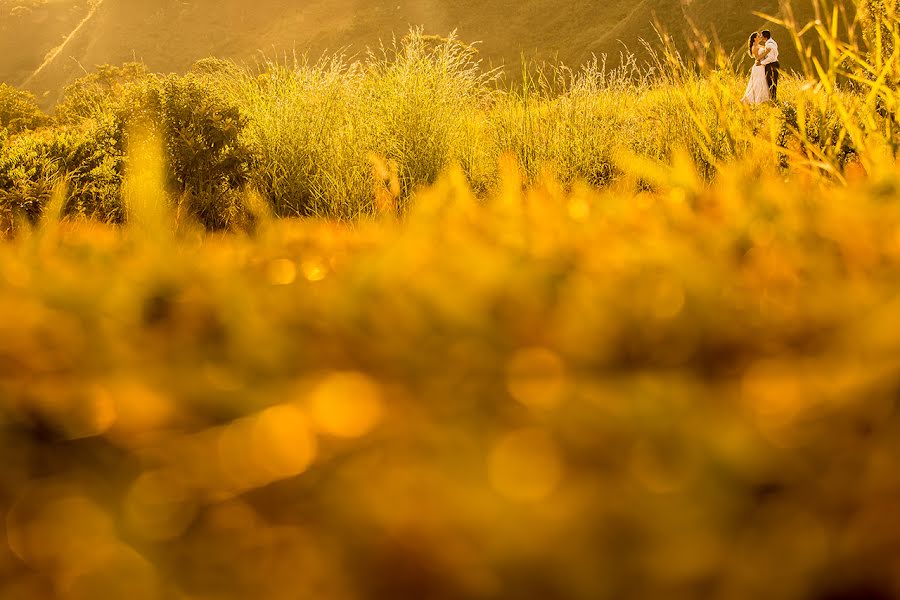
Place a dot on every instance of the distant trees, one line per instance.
(19, 110)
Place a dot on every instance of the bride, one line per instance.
(758, 88)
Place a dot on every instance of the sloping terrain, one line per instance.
(29, 29)
(168, 35)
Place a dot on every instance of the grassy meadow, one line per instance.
(399, 327)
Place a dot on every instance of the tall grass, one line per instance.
(415, 103)
(305, 125)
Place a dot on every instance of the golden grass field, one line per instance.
(610, 337)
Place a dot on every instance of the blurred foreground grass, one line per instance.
(546, 394)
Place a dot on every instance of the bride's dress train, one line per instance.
(758, 88)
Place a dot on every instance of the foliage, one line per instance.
(19, 110)
(86, 160)
(94, 95)
(875, 19)
(208, 160)
(308, 124)
(208, 157)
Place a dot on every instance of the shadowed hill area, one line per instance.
(29, 29)
(169, 35)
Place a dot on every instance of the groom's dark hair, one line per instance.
(767, 34)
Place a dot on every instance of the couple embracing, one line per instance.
(763, 84)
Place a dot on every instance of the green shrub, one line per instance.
(210, 162)
(95, 94)
(27, 176)
(86, 152)
(19, 110)
(222, 70)
(32, 164)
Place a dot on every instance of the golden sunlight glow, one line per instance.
(314, 269)
(283, 442)
(55, 526)
(144, 189)
(346, 405)
(282, 272)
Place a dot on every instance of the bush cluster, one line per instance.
(85, 149)
(19, 111)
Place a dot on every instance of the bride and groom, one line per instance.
(764, 77)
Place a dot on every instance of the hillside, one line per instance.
(168, 35)
(30, 28)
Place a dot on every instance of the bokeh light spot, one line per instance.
(537, 378)
(235, 456)
(525, 465)
(120, 572)
(282, 272)
(775, 397)
(138, 409)
(55, 527)
(314, 269)
(347, 405)
(283, 443)
(87, 416)
(157, 507)
(579, 209)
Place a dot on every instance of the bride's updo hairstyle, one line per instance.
(753, 37)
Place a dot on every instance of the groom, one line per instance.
(772, 65)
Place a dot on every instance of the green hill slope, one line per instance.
(168, 35)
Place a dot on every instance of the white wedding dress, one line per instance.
(758, 88)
